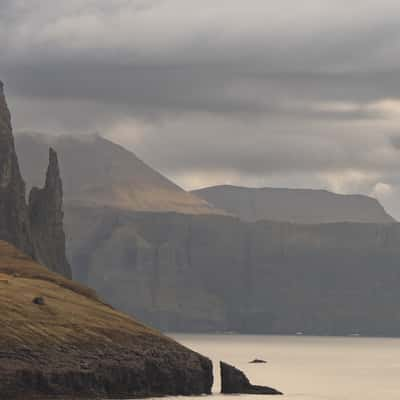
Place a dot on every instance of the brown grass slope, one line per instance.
(75, 346)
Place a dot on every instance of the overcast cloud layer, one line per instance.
(255, 93)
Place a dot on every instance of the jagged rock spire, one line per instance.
(53, 178)
(46, 217)
(14, 223)
(37, 230)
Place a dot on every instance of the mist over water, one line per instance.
(308, 368)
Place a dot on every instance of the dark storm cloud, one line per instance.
(91, 52)
(248, 90)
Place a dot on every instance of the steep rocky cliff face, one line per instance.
(209, 273)
(14, 223)
(37, 230)
(70, 345)
(183, 272)
(46, 218)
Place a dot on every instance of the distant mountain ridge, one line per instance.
(301, 206)
(98, 172)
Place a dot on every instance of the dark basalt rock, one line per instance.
(14, 222)
(110, 378)
(234, 381)
(36, 230)
(38, 301)
(46, 218)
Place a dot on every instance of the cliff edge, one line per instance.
(300, 206)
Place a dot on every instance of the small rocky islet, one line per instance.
(234, 381)
(258, 361)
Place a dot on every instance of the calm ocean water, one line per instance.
(308, 368)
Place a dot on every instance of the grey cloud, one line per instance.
(260, 148)
(245, 89)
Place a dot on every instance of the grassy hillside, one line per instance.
(22, 280)
(75, 346)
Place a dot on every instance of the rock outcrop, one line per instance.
(234, 381)
(14, 222)
(46, 219)
(37, 229)
(58, 340)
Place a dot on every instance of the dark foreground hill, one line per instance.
(302, 206)
(58, 340)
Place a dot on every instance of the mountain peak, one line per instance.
(97, 172)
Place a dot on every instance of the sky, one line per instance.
(253, 93)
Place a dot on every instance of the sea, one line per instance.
(306, 367)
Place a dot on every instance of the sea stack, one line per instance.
(14, 221)
(46, 218)
(37, 229)
(234, 381)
